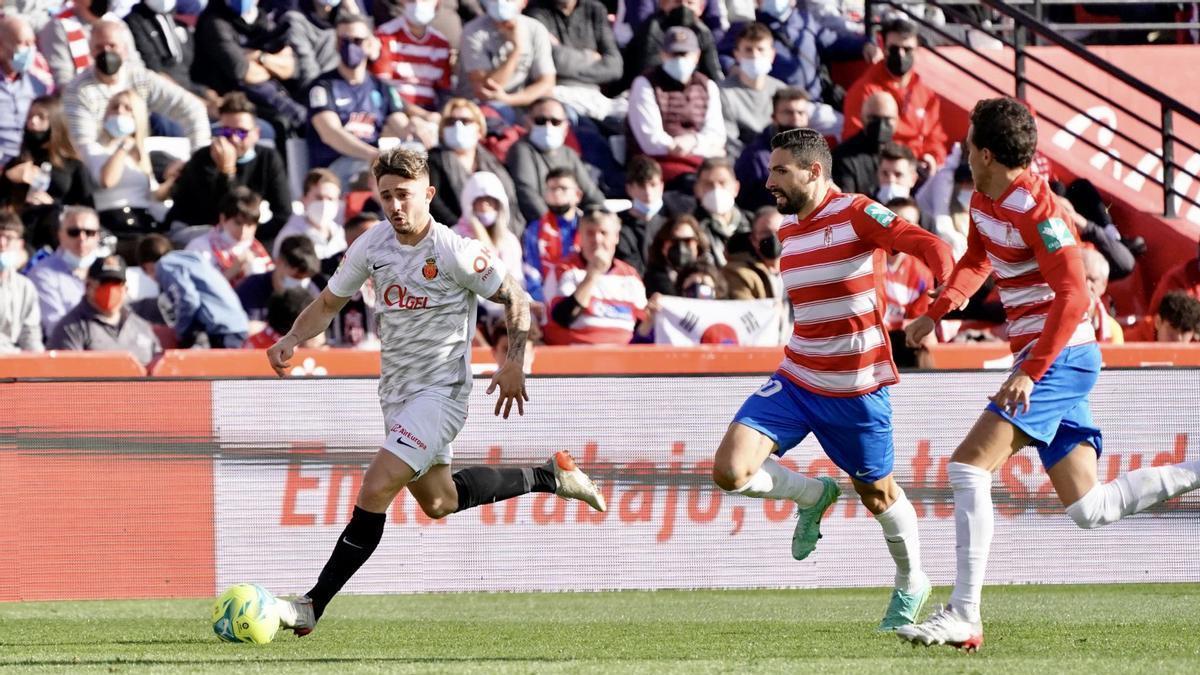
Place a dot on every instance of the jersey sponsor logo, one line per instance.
(430, 270)
(1055, 234)
(397, 296)
(480, 264)
(401, 432)
(880, 214)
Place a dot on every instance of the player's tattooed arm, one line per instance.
(516, 317)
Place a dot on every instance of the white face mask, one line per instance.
(647, 209)
(422, 12)
(119, 126)
(717, 200)
(292, 282)
(321, 211)
(548, 137)
(488, 218)
(889, 191)
(161, 6)
(780, 9)
(502, 10)
(679, 68)
(459, 136)
(756, 67)
(76, 262)
(8, 260)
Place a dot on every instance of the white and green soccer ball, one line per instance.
(246, 613)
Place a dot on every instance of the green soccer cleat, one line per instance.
(904, 608)
(808, 520)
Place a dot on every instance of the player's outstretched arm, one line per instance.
(312, 321)
(510, 377)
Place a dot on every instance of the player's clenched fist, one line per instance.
(918, 331)
(280, 354)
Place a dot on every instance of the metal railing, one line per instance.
(1024, 28)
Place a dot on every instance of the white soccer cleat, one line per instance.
(574, 483)
(297, 615)
(945, 627)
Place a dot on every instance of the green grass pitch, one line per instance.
(1030, 629)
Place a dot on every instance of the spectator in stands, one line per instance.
(675, 112)
(295, 266)
(312, 34)
(650, 44)
(64, 40)
(1095, 267)
(1183, 277)
(415, 58)
(240, 48)
(354, 326)
(86, 98)
(530, 159)
(230, 247)
(459, 156)
(585, 54)
(550, 239)
(790, 108)
(856, 161)
(752, 271)
(1107, 241)
(1177, 319)
(46, 174)
(349, 109)
(897, 173)
(101, 321)
(20, 317)
(165, 45)
(234, 159)
(196, 300)
(18, 85)
(120, 165)
(908, 280)
(700, 280)
(677, 244)
(59, 276)
(488, 217)
(919, 125)
(506, 60)
(593, 297)
(322, 201)
(639, 224)
(748, 91)
(282, 309)
(716, 193)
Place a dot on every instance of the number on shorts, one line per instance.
(771, 388)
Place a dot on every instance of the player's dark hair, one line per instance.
(641, 170)
(895, 152)
(898, 26)
(1180, 310)
(403, 162)
(560, 172)
(151, 248)
(241, 203)
(754, 33)
(1006, 128)
(300, 254)
(235, 103)
(808, 146)
(284, 307)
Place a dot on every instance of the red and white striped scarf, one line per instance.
(77, 39)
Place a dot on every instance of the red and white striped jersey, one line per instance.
(833, 267)
(416, 66)
(1031, 245)
(618, 303)
(907, 286)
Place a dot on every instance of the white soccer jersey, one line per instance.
(425, 306)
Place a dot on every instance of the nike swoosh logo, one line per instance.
(378, 265)
(860, 474)
(350, 543)
(400, 440)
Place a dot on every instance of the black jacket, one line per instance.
(856, 165)
(201, 186)
(147, 28)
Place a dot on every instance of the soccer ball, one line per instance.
(246, 613)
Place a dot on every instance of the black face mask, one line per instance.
(880, 130)
(560, 209)
(680, 16)
(769, 247)
(899, 63)
(34, 140)
(700, 291)
(99, 7)
(108, 63)
(680, 255)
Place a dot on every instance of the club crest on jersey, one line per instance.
(880, 214)
(1055, 234)
(430, 270)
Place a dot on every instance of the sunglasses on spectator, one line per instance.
(556, 121)
(232, 132)
(450, 121)
(74, 232)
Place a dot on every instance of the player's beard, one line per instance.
(790, 203)
(404, 225)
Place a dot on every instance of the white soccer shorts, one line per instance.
(420, 430)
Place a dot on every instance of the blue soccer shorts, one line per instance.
(855, 432)
(1059, 417)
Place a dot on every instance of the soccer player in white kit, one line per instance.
(426, 279)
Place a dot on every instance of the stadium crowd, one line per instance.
(182, 174)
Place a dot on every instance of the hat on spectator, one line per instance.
(680, 40)
(108, 268)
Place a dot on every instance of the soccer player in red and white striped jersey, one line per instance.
(1020, 233)
(837, 367)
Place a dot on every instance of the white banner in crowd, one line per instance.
(286, 480)
(687, 321)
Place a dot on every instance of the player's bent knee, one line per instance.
(729, 477)
(439, 508)
(1097, 508)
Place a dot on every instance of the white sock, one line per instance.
(899, 523)
(1133, 492)
(773, 481)
(973, 521)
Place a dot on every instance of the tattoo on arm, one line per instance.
(516, 317)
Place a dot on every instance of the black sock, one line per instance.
(484, 484)
(357, 543)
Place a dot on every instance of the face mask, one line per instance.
(502, 10)
(8, 260)
(647, 210)
(717, 200)
(75, 262)
(880, 130)
(547, 137)
(250, 155)
(421, 13)
(963, 197)
(35, 139)
(680, 255)
(755, 68)
(679, 68)
(109, 297)
(321, 211)
(778, 9)
(291, 282)
(898, 63)
(108, 63)
(22, 59)
(161, 6)
(701, 291)
(99, 7)
(460, 136)
(330, 4)
(352, 55)
(769, 247)
(560, 209)
(488, 218)
(889, 191)
(119, 126)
